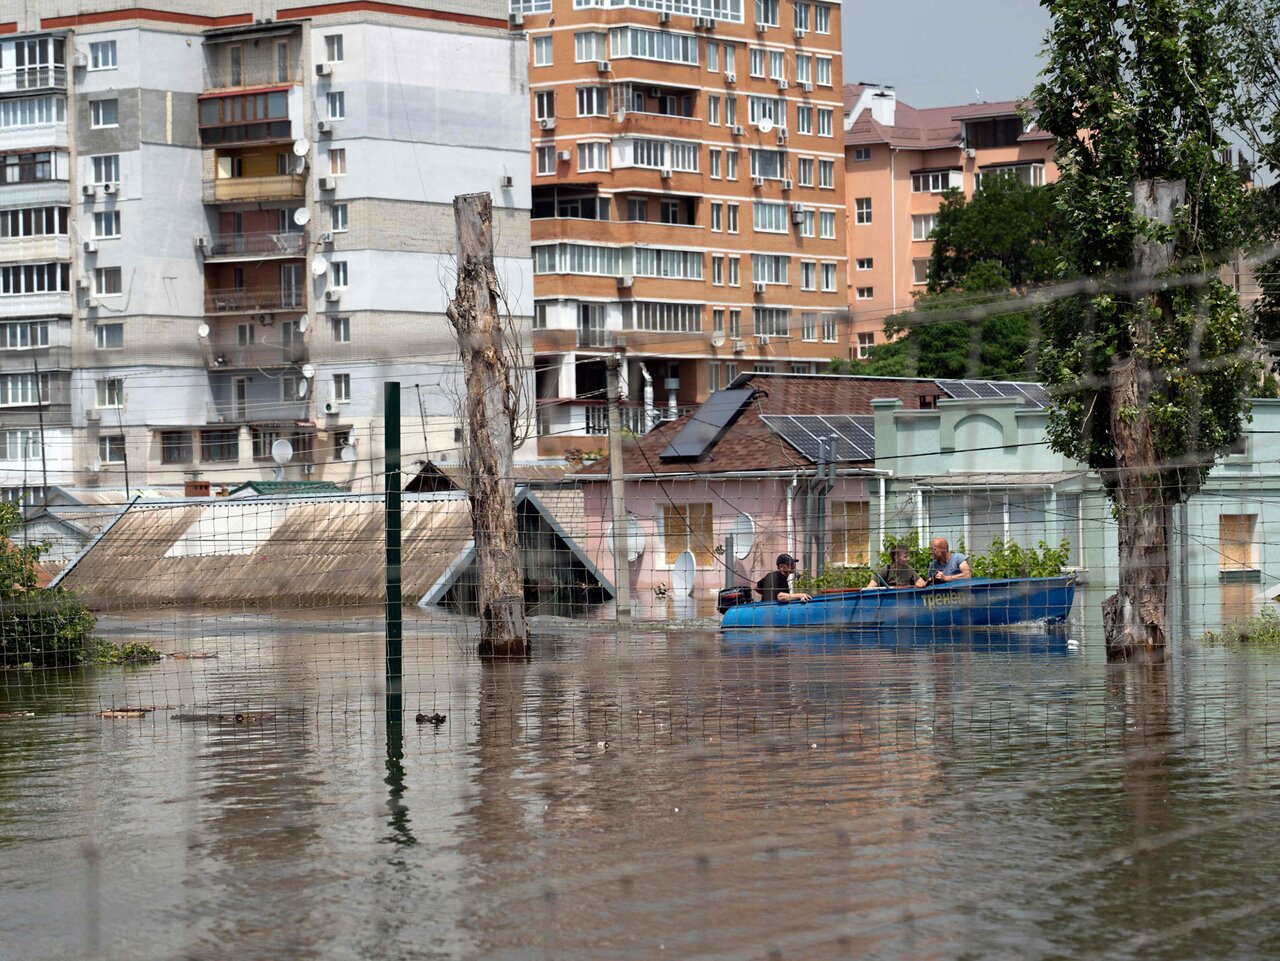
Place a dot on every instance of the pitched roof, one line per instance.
(287, 487)
(928, 128)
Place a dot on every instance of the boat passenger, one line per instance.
(946, 564)
(898, 572)
(776, 585)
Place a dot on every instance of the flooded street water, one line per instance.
(666, 793)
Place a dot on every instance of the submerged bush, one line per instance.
(1262, 630)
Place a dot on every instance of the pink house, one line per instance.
(747, 464)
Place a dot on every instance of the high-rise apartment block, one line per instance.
(222, 231)
(898, 163)
(688, 201)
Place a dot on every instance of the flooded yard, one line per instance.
(662, 793)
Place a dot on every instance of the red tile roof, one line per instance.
(923, 129)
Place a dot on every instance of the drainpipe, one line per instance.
(893, 224)
(649, 419)
(791, 513)
(882, 510)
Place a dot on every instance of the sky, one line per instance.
(938, 55)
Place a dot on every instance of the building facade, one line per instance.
(688, 201)
(898, 163)
(219, 232)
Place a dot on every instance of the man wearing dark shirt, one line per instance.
(776, 585)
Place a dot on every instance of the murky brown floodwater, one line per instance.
(661, 795)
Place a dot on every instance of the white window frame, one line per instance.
(102, 55)
(336, 104)
(98, 110)
(544, 50)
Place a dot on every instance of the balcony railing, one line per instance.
(262, 243)
(237, 301)
(230, 412)
(51, 76)
(258, 355)
(594, 337)
(591, 417)
(281, 187)
(49, 247)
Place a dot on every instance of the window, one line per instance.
(106, 281)
(19, 445)
(675, 318)
(804, 68)
(106, 224)
(219, 445)
(102, 55)
(730, 110)
(111, 448)
(546, 161)
(340, 328)
(713, 377)
(283, 71)
(768, 164)
(1235, 541)
(235, 60)
(23, 389)
(338, 218)
(802, 15)
(829, 328)
(827, 175)
(713, 111)
(687, 527)
(1030, 174)
(713, 164)
(589, 259)
(735, 267)
(106, 169)
(22, 279)
(175, 447)
(771, 321)
(338, 273)
(341, 441)
(769, 217)
(769, 268)
(808, 275)
(729, 58)
(920, 270)
(825, 115)
(757, 62)
(865, 263)
(767, 12)
(717, 270)
(865, 293)
(923, 225)
(654, 45)
(544, 104)
(731, 218)
(806, 222)
(851, 532)
(34, 222)
(24, 334)
(823, 65)
(713, 57)
(822, 18)
(735, 327)
(666, 262)
(717, 320)
(593, 157)
(333, 48)
(342, 388)
(590, 45)
(861, 154)
(33, 112)
(731, 165)
(108, 336)
(24, 168)
(717, 217)
(809, 325)
(804, 119)
(767, 108)
(829, 278)
(865, 343)
(934, 181)
(109, 393)
(337, 105)
(593, 101)
(337, 161)
(862, 210)
(542, 51)
(827, 224)
(804, 176)
(638, 209)
(777, 65)
(246, 335)
(656, 154)
(104, 113)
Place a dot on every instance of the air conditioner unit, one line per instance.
(82, 283)
(761, 27)
(655, 92)
(797, 214)
(730, 77)
(326, 237)
(325, 126)
(92, 413)
(620, 116)
(800, 32)
(761, 287)
(970, 152)
(88, 190)
(666, 173)
(806, 87)
(788, 184)
(516, 20)
(90, 247)
(782, 136)
(331, 407)
(625, 280)
(763, 339)
(757, 181)
(333, 295)
(324, 69)
(507, 182)
(328, 183)
(782, 83)
(90, 304)
(79, 59)
(603, 66)
(738, 130)
(547, 123)
(739, 347)
(664, 16)
(564, 156)
(202, 244)
(704, 23)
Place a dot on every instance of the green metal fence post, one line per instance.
(395, 613)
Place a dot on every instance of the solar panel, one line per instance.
(1033, 394)
(855, 435)
(708, 424)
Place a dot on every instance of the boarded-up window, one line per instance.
(851, 533)
(687, 527)
(1235, 541)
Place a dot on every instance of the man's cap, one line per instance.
(786, 559)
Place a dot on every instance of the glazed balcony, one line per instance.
(49, 247)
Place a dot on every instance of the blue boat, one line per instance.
(975, 602)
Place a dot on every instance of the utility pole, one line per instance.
(621, 534)
(491, 401)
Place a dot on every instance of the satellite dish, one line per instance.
(282, 452)
(303, 324)
(301, 147)
(300, 165)
(717, 339)
(744, 536)
(302, 216)
(304, 388)
(202, 330)
(634, 538)
(95, 465)
(348, 454)
(765, 125)
(308, 371)
(319, 266)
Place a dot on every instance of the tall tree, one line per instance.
(1150, 371)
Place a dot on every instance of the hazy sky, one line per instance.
(937, 54)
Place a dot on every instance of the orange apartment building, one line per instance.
(688, 201)
(898, 162)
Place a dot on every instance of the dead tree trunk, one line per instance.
(1144, 490)
(476, 317)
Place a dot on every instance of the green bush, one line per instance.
(130, 652)
(1262, 630)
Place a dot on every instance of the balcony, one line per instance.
(249, 189)
(238, 301)
(258, 356)
(590, 418)
(50, 247)
(258, 245)
(47, 303)
(231, 412)
(52, 76)
(36, 135)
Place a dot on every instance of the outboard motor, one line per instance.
(732, 597)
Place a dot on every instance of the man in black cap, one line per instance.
(776, 585)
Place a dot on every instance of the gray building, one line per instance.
(221, 231)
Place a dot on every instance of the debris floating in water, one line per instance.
(126, 712)
(436, 718)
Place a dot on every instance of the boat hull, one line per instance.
(976, 602)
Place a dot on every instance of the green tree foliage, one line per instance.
(45, 627)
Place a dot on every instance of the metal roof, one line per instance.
(1008, 479)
